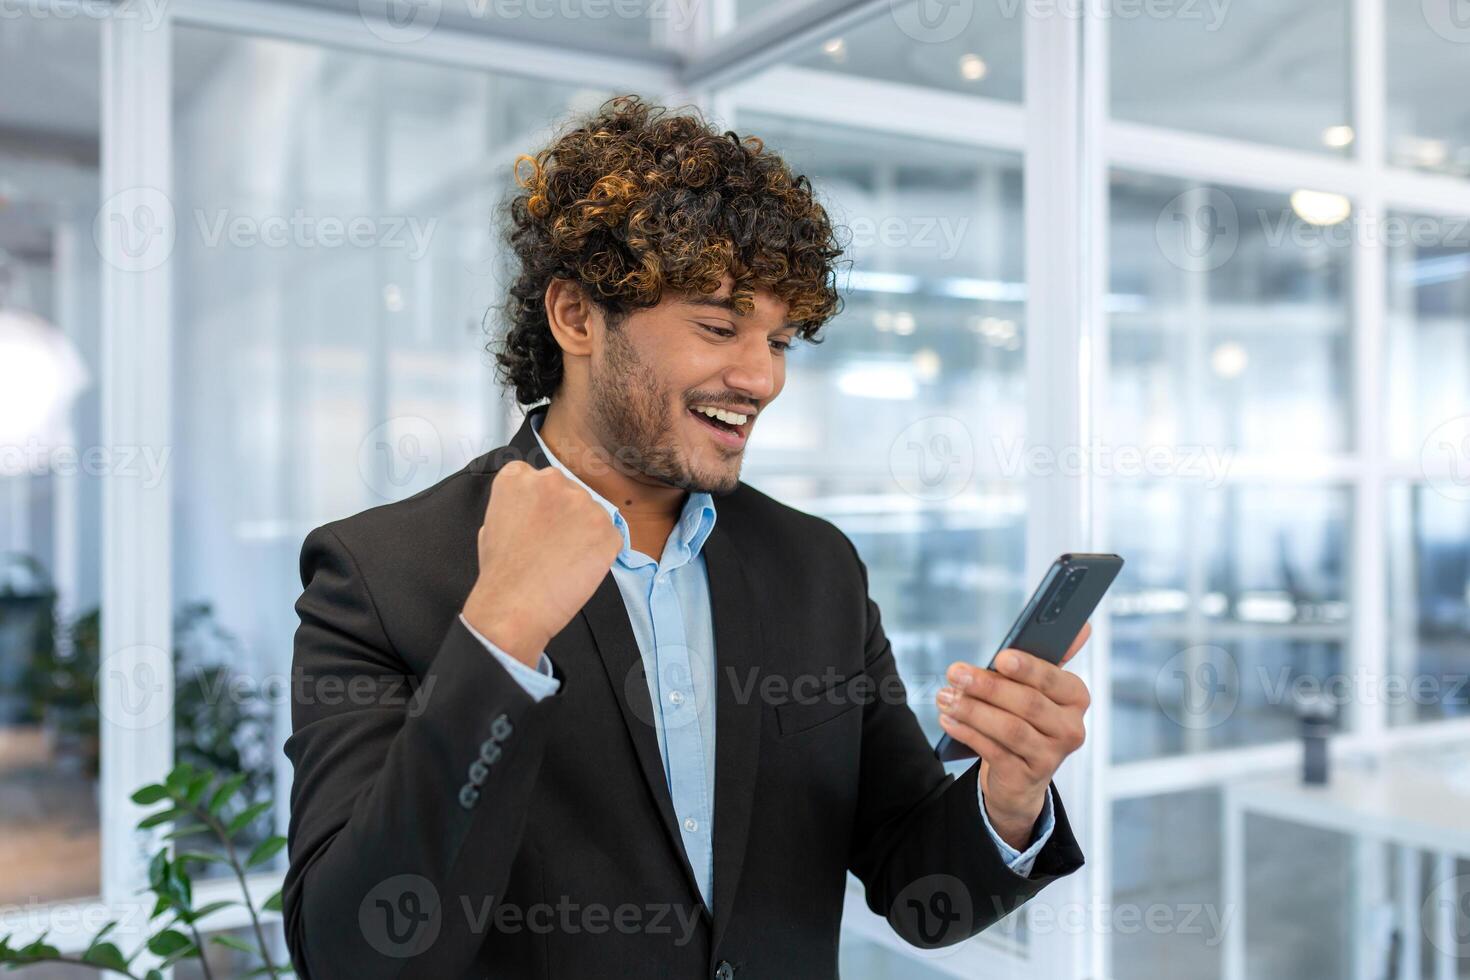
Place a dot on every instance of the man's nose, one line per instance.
(753, 373)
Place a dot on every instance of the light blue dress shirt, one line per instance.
(668, 607)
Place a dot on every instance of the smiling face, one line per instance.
(675, 390)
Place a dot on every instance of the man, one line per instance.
(591, 707)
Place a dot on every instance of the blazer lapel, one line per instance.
(737, 634)
(738, 646)
(607, 618)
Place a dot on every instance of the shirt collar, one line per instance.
(695, 522)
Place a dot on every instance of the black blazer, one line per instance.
(443, 824)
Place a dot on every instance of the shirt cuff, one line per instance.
(1020, 862)
(539, 683)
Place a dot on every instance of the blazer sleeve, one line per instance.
(409, 794)
(920, 845)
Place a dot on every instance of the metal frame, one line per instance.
(1070, 143)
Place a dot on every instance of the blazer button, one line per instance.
(478, 772)
(468, 796)
(489, 752)
(724, 971)
(500, 728)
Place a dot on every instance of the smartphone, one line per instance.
(1059, 608)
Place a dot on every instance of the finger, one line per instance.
(978, 742)
(1011, 732)
(1044, 714)
(1078, 642)
(1061, 686)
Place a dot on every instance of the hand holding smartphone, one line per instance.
(1068, 595)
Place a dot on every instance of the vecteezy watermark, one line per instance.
(1203, 919)
(403, 452)
(149, 12)
(940, 234)
(407, 21)
(1444, 458)
(1199, 687)
(1201, 229)
(146, 464)
(1198, 230)
(137, 229)
(1209, 464)
(135, 687)
(938, 21)
(402, 917)
(1336, 225)
(1445, 917)
(311, 231)
(933, 912)
(1450, 19)
(933, 459)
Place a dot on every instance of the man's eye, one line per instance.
(718, 331)
(778, 344)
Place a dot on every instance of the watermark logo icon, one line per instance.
(1198, 687)
(400, 454)
(933, 458)
(933, 912)
(400, 21)
(1445, 915)
(1445, 458)
(1199, 230)
(135, 688)
(932, 21)
(1450, 19)
(400, 916)
(135, 229)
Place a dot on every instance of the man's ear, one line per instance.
(572, 317)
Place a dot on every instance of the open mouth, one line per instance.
(729, 428)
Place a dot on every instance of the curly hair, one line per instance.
(632, 200)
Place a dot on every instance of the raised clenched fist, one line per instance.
(544, 547)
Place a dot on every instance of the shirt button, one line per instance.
(676, 697)
(691, 825)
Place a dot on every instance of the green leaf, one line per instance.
(265, 850)
(163, 816)
(106, 955)
(209, 909)
(150, 794)
(178, 780)
(186, 830)
(233, 943)
(272, 904)
(168, 942)
(201, 857)
(197, 786)
(160, 907)
(246, 817)
(158, 870)
(226, 790)
(153, 975)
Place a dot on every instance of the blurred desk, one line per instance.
(1404, 801)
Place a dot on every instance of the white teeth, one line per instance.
(729, 418)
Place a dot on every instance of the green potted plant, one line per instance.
(196, 803)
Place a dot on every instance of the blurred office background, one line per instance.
(1187, 281)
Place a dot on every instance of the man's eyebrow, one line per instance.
(727, 303)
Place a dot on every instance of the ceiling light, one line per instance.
(1337, 137)
(973, 67)
(836, 49)
(1229, 360)
(1320, 207)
